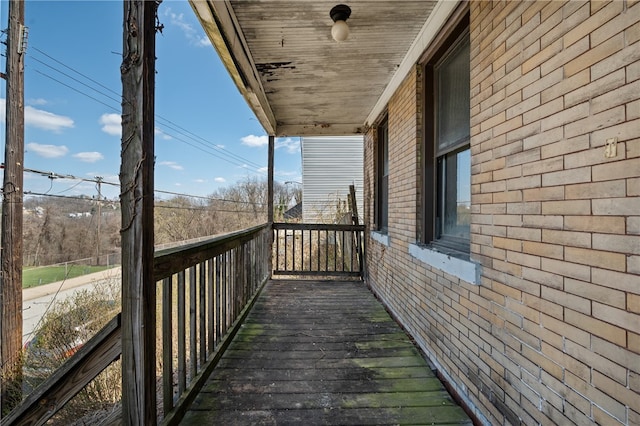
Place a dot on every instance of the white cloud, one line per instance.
(39, 118)
(38, 101)
(291, 145)
(263, 169)
(46, 120)
(111, 124)
(171, 164)
(47, 151)
(255, 141)
(220, 180)
(200, 181)
(159, 133)
(195, 37)
(89, 157)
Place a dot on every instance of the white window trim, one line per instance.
(464, 269)
(382, 238)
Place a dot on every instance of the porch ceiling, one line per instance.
(296, 78)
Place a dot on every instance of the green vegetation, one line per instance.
(33, 277)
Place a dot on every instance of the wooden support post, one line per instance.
(11, 280)
(136, 199)
(270, 198)
(270, 179)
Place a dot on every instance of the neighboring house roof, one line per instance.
(294, 212)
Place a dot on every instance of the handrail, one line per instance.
(219, 279)
(224, 276)
(79, 370)
(316, 250)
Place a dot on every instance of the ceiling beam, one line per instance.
(320, 129)
(221, 25)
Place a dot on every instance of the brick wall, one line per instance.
(552, 333)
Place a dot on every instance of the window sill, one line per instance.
(464, 269)
(380, 237)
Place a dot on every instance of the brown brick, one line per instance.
(549, 165)
(542, 249)
(602, 259)
(596, 327)
(615, 280)
(548, 52)
(564, 146)
(617, 169)
(618, 354)
(539, 221)
(550, 279)
(577, 303)
(602, 224)
(623, 21)
(543, 138)
(545, 110)
(566, 269)
(575, 333)
(585, 89)
(614, 62)
(623, 319)
(595, 292)
(607, 189)
(606, 402)
(595, 55)
(572, 207)
(544, 194)
(565, 116)
(592, 23)
(627, 244)
(620, 96)
(594, 122)
(566, 177)
(628, 206)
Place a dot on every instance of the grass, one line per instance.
(33, 277)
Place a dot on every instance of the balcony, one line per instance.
(238, 347)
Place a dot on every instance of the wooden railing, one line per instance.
(318, 249)
(206, 290)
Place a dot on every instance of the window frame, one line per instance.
(445, 44)
(382, 197)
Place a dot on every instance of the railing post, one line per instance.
(270, 199)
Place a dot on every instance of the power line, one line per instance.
(53, 175)
(234, 158)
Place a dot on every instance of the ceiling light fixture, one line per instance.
(339, 14)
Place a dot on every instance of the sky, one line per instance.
(206, 136)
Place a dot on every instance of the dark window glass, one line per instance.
(448, 161)
(382, 205)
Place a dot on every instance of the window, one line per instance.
(382, 180)
(447, 160)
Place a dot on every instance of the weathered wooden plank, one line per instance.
(173, 260)
(347, 385)
(446, 415)
(167, 343)
(321, 352)
(240, 373)
(96, 355)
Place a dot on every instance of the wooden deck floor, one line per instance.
(322, 353)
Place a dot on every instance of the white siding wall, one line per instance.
(329, 166)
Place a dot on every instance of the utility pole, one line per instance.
(11, 257)
(99, 185)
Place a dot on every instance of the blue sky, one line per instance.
(206, 136)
